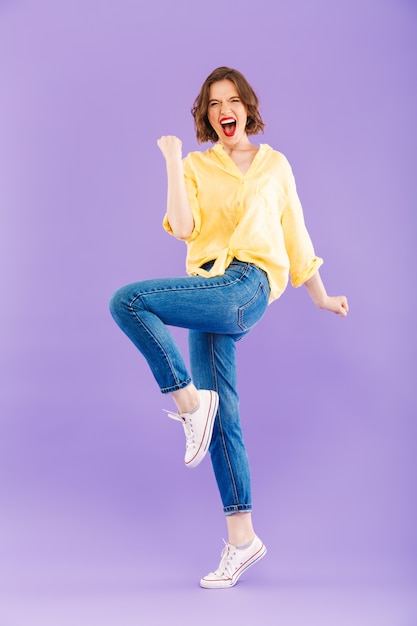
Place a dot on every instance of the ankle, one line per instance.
(241, 540)
(187, 399)
(240, 529)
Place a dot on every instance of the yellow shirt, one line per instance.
(256, 217)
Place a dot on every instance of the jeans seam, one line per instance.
(224, 447)
(146, 329)
(242, 309)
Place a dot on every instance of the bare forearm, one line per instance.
(318, 293)
(316, 290)
(178, 207)
(179, 212)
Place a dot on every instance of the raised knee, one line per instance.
(117, 303)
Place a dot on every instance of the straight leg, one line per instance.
(213, 366)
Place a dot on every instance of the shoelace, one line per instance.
(189, 433)
(227, 555)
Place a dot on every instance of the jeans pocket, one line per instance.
(250, 313)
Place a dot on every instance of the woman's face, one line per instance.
(226, 113)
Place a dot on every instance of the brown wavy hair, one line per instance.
(204, 130)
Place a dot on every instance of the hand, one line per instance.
(170, 147)
(317, 291)
(336, 304)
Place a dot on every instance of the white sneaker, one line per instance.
(198, 427)
(234, 562)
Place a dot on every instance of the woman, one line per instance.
(236, 207)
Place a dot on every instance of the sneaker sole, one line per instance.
(231, 582)
(208, 433)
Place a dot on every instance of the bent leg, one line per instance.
(228, 304)
(151, 336)
(213, 366)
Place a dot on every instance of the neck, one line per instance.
(242, 145)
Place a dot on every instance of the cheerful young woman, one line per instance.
(236, 207)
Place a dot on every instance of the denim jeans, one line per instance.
(218, 311)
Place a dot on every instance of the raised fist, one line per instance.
(170, 146)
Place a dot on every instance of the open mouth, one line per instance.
(228, 125)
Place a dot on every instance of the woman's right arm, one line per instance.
(179, 212)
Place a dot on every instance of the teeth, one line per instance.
(228, 120)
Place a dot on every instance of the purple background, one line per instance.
(100, 523)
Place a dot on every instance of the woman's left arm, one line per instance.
(318, 293)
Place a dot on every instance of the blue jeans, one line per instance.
(218, 312)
